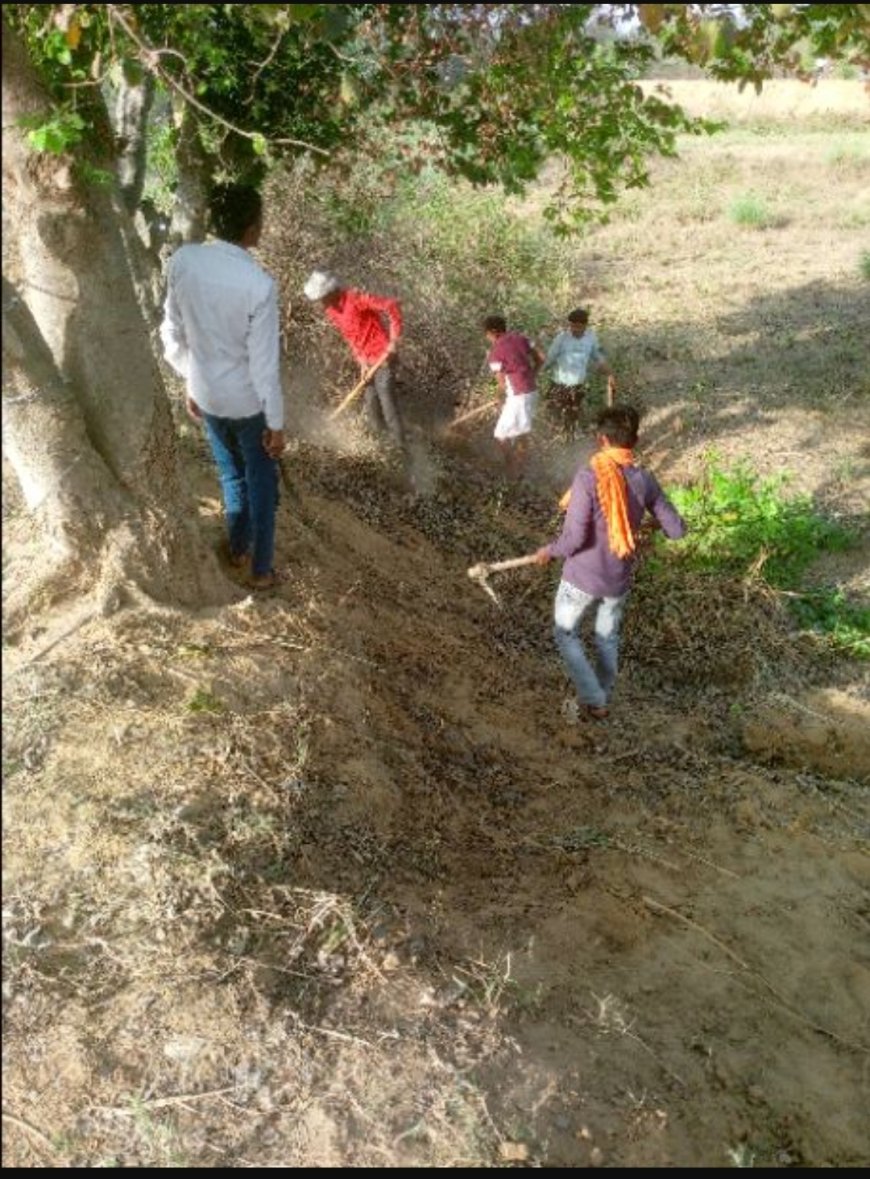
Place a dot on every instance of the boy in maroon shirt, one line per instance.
(359, 317)
(515, 360)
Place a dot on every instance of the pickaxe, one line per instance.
(481, 572)
(358, 388)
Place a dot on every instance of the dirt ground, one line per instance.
(326, 878)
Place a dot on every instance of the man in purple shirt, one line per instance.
(607, 503)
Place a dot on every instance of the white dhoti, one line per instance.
(516, 416)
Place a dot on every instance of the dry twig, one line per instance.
(41, 1138)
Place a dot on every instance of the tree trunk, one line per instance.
(190, 213)
(132, 107)
(87, 423)
(45, 440)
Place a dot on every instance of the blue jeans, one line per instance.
(249, 480)
(594, 686)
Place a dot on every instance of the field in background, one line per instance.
(780, 100)
(326, 879)
(733, 300)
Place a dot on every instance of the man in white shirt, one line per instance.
(569, 358)
(221, 333)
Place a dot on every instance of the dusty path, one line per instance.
(383, 906)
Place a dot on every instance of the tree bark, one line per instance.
(190, 214)
(131, 110)
(132, 107)
(87, 423)
(45, 440)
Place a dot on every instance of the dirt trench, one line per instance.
(328, 879)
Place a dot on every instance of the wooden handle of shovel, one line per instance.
(472, 413)
(357, 389)
(484, 569)
(513, 563)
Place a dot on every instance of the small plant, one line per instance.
(489, 984)
(204, 701)
(337, 935)
(865, 265)
(735, 518)
(581, 839)
(741, 1156)
(55, 133)
(846, 71)
(752, 212)
(848, 156)
(161, 175)
(742, 525)
(830, 612)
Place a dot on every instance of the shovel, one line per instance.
(473, 413)
(357, 389)
(480, 572)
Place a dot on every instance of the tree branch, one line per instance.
(265, 64)
(151, 60)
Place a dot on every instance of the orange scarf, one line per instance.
(613, 497)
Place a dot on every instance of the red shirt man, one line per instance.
(360, 318)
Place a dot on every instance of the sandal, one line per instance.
(596, 713)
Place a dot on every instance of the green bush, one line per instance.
(753, 212)
(161, 172)
(739, 523)
(865, 265)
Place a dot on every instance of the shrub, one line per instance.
(751, 211)
(741, 524)
(456, 253)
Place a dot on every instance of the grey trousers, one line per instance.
(380, 403)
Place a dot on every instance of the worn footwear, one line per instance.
(234, 560)
(574, 712)
(270, 580)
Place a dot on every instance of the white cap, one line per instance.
(320, 284)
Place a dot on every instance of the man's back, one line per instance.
(221, 328)
(513, 355)
(360, 318)
(589, 562)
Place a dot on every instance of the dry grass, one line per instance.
(748, 339)
(270, 893)
(781, 101)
